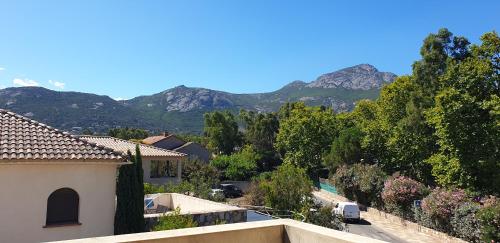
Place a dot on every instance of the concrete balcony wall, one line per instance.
(271, 231)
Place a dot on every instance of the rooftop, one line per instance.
(270, 231)
(124, 145)
(23, 139)
(155, 139)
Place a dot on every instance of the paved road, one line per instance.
(364, 227)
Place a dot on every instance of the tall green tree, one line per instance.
(260, 132)
(221, 129)
(129, 214)
(465, 120)
(140, 181)
(345, 149)
(305, 136)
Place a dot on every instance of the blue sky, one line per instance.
(130, 48)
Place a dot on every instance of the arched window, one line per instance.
(62, 207)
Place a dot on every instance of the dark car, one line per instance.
(230, 190)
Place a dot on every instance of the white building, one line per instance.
(160, 166)
(53, 186)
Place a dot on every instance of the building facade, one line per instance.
(160, 166)
(54, 186)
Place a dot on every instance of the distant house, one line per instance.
(172, 142)
(161, 166)
(54, 186)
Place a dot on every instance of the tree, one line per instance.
(128, 133)
(238, 166)
(288, 189)
(406, 137)
(466, 122)
(346, 149)
(140, 178)
(129, 215)
(198, 178)
(221, 129)
(305, 136)
(260, 133)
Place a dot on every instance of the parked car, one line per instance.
(230, 190)
(217, 193)
(348, 210)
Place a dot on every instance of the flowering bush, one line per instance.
(360, 182)
(441, 204)
(464, 222)
(399, 194)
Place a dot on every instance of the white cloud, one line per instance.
(2, 69)
(25, 82)
(119, 98)
(57, 84)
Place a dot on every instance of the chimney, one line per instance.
(165, 133)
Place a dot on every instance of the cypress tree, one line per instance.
(129, 215)
(140, 187)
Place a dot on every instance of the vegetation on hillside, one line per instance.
(128, 133)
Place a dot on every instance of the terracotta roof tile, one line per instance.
(24, 139)
(124, 145)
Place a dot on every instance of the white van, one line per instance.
(348, 210)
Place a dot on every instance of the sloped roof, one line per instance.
(154, 139)
(189, 144)
(23, 139)
(124, 145)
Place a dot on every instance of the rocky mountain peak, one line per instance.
(296, 84)
(362, 76)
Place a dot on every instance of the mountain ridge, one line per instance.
(181, 108)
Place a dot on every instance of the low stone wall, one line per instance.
(410, 225)
(205, 219)
(204, 212)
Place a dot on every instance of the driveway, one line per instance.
(364, 227)
(379, 227)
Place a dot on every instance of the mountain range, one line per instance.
(181, 109)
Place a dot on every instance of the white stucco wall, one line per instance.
(25, 189)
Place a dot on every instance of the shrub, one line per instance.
(441, 204)
(464, 222)
(324, 217)
(360, 182)
(371, 180)
(152, 189)
(237, 166)
(489, 219)
(288, 189)
(198, 179)
(174, 220)
(399, 193)
(343, 180)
